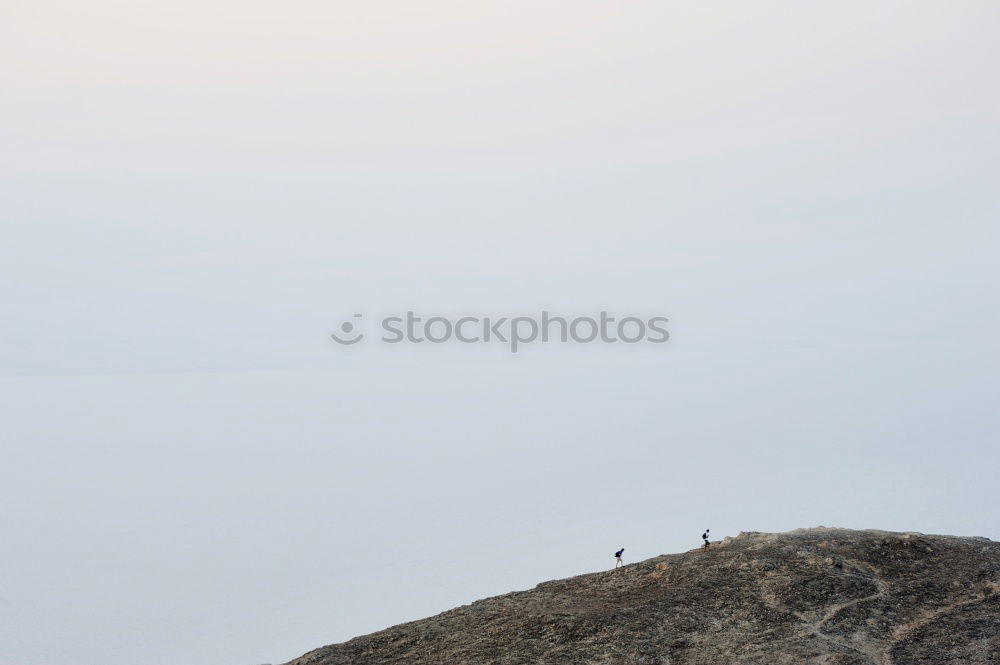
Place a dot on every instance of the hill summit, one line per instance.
(817, 596)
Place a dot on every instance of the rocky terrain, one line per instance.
(823, 596)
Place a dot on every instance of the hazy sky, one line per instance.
(195, 194)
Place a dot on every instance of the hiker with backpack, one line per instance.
(704, 537)
(618, 558)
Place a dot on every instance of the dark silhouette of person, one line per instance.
(704, 537)
(618, 558)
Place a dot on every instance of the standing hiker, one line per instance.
(618, 558)
(704, 537)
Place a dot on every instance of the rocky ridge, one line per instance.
(817, 596)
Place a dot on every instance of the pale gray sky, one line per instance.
(196, 194)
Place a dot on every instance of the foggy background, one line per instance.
(194, 195)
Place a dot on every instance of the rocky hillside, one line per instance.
(808, 596)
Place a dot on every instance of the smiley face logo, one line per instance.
(347, 328)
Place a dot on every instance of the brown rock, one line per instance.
(808, 596)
